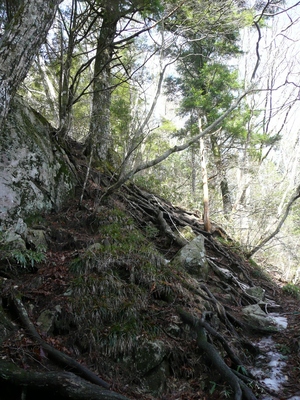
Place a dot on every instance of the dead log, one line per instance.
(65, 384)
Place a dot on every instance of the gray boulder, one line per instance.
(35, 173)
(193, 258)
(257, 317)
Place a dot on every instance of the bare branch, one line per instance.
(176, 148)
(281, 222)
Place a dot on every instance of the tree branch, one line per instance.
(281, 222)
(174, 149)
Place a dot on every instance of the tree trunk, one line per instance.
(66, 93)
(206, 218)
(194, 172)
(100, 133)
(19, 45)
(226, 198)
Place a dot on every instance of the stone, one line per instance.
(21, 228)
(155, 381)
(151, 365)
(46, 321)
(37, 239)
(187, 232)
(257, 292)
(256, 316)
(13, 241)
(193, 258)
(6, 325)
(149, 356)
(35, 173)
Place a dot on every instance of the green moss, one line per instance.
(292, 290)
(34, 219)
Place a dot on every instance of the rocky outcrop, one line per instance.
(35, 173)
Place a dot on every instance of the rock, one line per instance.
(256, 292)
(6, 326)
(150, 363)
(193, 258)
(13, 241)
(21, 228)
(256, 316)
(46, 321)
(149, 356)
(187, 232)
(36, 238)
(35, 173)
(155, 381)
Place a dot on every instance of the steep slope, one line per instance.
(128, 299)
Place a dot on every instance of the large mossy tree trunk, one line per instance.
(20, 43)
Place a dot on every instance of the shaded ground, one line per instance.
(75, 228)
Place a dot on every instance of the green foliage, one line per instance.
(29, 258)
(114, 283)
(213, 387)
(257, 271)
(292, 290)
(283, 349)
(151, 231)
(15, 252)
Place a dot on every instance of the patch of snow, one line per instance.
(280, 320)
(269, 366)
(270, 363)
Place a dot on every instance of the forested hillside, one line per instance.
(149, 186)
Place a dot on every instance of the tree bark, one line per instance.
(65, 384)
(206, 218)
(237, 385)
(19, 45)
(54, 354)
(100, 133)
(225, 193)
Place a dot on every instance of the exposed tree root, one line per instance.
(238, 386)
(66, 384)
(53, 353)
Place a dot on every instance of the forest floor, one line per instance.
(45, 288)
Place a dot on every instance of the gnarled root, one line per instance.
(237, 384)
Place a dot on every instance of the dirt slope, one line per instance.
(138, 299)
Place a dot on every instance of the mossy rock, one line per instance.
(35, 173)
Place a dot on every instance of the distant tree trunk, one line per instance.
(206, 218)
(66, 93)
(100, 130)
(20, 43)
(49, 90)
(226, 198)
(194, 172)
